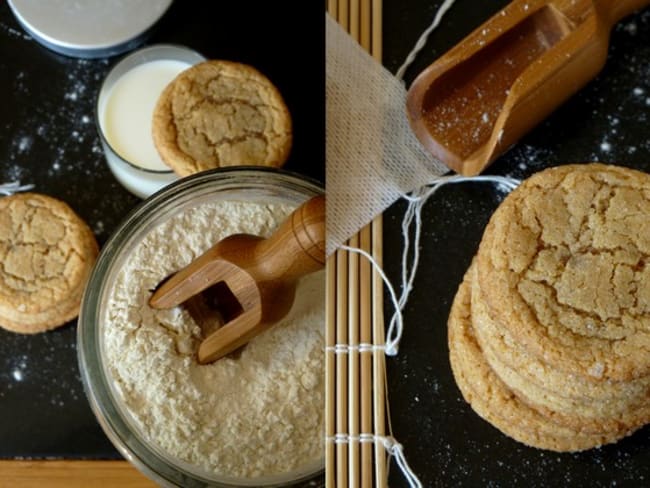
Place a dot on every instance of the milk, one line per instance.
(128, 111)
(125, 117)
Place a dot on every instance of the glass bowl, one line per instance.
(243, 184)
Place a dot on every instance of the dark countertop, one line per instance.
(445, 442)
(48, 138)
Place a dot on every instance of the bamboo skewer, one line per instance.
(365, 290)
(376, 29)
(332, 8)
(330, 371)
(344, 14)
(341, 366)
(365, 336)
(354, 20)
(353, 363)
(379, 360)
(366, 19)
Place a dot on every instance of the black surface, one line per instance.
(48, 137)
(445, 442)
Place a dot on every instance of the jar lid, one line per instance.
(89, 29)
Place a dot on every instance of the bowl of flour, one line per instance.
(250, 419)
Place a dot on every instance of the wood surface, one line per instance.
(71, 474)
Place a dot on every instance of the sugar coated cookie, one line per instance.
(490, 398)
(549, 332)
(565, 265)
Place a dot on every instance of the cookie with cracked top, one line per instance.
(47, 253)
(491, 399)
(569, 399)
(564, 265)
(221, 113)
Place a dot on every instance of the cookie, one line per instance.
(47, 253)
(491, 399)
(220, 113)
(571, 400)
(565, 265)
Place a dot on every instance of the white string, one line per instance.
(446, 5)
(348, 348)
(394, 449)
(416, 201)
(397, 451)
(8, 189)
(351, 439)
(394, 333)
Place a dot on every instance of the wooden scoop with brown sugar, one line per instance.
(247, 281)
(470, 105)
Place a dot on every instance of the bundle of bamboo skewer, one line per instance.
(355, 388)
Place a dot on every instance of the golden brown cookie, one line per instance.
(220, 113)
(574, 400)
(492, 400)
(47, 253)
(565, 265)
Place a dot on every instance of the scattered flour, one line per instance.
(24, 143)
(59, 130)
(19, 369)
(15, 33)
(256, 415)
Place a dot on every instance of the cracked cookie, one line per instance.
(570, 399)
(564, 265)
(549, 332)
(47, 253)
(221, 113)
(491, 399)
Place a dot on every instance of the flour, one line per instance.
(259, 414)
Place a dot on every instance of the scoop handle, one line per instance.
(615, 10)
(297, 247)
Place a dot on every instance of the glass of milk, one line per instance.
(124, 114)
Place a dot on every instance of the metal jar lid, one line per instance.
(89, 28)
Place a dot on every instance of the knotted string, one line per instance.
(416, 201)
(393, 448)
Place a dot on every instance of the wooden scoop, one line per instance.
(250, 280)
(470, 105)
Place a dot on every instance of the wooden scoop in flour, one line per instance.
(470, 105)
(251, 281)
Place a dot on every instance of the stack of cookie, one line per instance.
(47, 253)
(549, 333)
